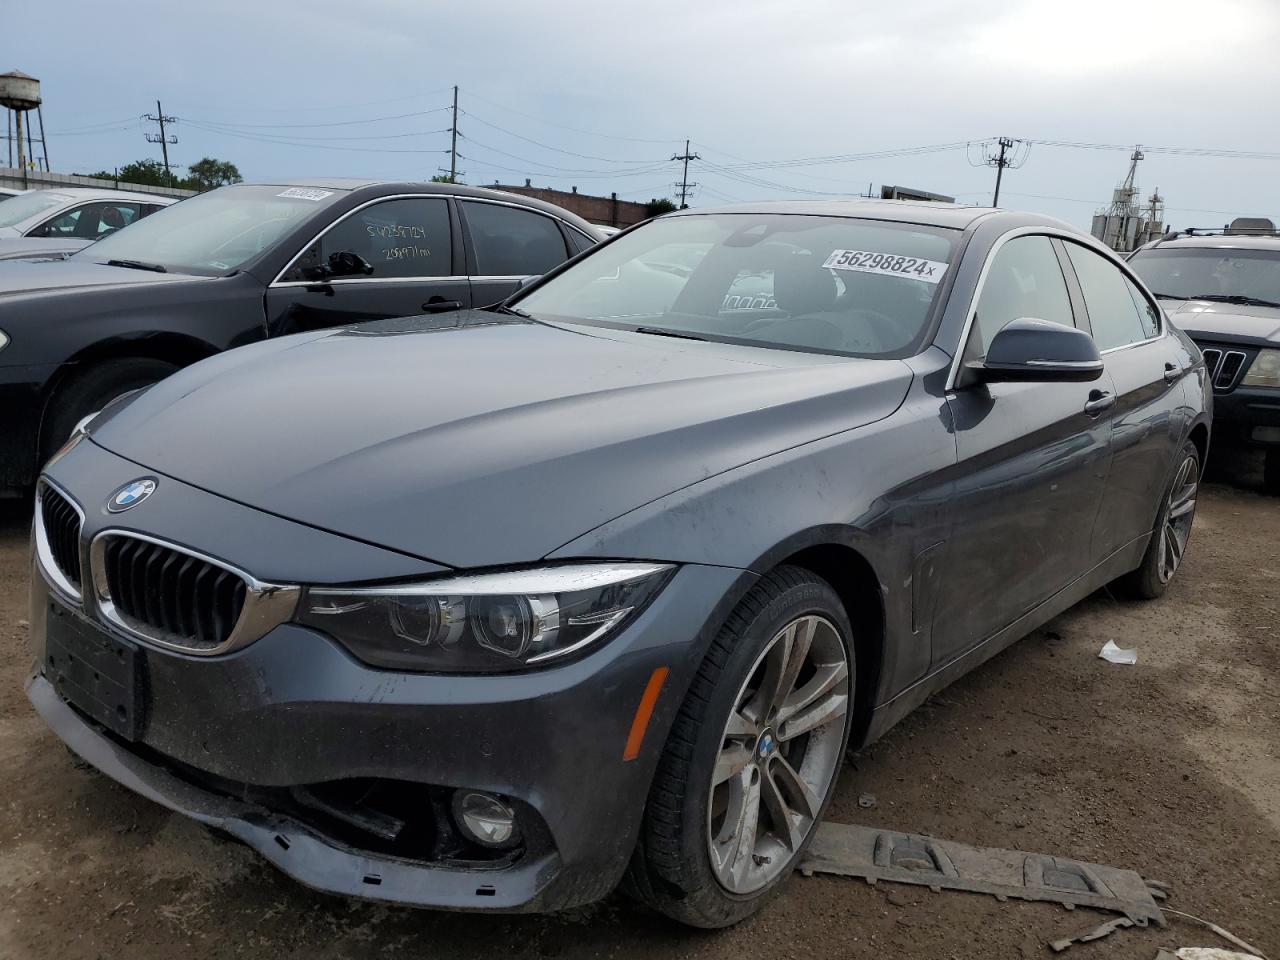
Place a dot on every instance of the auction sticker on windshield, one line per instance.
(305, 193)
(865, 261)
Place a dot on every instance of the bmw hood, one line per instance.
(1210, 320)
(481, 439)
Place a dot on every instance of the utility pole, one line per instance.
(1000, 163)
(684, 183)
(163, 139)
(453, 145)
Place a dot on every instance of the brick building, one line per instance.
(603, 211)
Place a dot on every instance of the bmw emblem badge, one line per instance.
(131, 494)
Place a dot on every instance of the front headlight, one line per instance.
(1264, 371)
(4, 339)
(486, 622)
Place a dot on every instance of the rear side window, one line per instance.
(1113, 314)
(1147, 311)
(404, 238)
(511, 242)
(1024, 280)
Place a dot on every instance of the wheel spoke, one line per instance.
(784, 825)
(782, 665)
(817, 714)
(1183, 508)
(740, 725)
(1175, 545)
(733, 760)
(801, 798)
(734, 856)
(827, 677)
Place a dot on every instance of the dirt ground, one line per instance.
(1170, 767)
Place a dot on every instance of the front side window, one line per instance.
(216, 232)
(511, 242)
(828, 284)
(402, 238)
(1208, 273)
(1113, 314)
(89, 221)
(1024, 280)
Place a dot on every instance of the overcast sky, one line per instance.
(600, 95)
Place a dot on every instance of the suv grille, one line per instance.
(1224, 366)
(61, 525)
(171, 595)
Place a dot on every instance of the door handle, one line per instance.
(441, 305)
(1099, 400)
(1172, 372)
(319, 288)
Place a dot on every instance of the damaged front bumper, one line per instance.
(264, 741)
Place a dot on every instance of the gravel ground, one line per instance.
(1170, 767)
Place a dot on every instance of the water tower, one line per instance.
(19, 95)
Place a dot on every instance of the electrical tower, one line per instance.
(162, 138)
(684, 185)
(453, 143)
(1006, 157)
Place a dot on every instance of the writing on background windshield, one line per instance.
(1192, 273)
(860, 287)
(214, 232)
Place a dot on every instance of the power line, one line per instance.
(552, 123)
(545, 146)
(327, 123)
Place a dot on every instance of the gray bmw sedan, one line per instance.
(495, 609)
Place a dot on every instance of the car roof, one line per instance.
(1219, 241)
(98, 193)
(353, 184)
(925, 212)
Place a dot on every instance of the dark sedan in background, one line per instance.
(245, 263)
(474, 611)
(1224, 291)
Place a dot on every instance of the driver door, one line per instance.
(393, 258)
(1032, 463)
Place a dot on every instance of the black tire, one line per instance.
(671, 869)
(1146, 582)
(1271, 472)
(92, 390)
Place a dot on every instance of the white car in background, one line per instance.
(7, 192)
(58, 222)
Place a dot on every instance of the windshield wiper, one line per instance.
(1169, 296)
(514, 311)
(677, 334)
(137, 265)
(1237, 298)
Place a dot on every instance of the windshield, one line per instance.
(1214, 273)
(26, 205)
(825, 284)
(212, 233)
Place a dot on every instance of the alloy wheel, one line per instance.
(779, 754)
(1178, 517)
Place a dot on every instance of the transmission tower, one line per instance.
(684, 185)
(162, 138)
(1004, 152)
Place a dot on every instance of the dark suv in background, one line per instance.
(1223, 288)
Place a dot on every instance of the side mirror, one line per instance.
(345, 263)
(1038, 350)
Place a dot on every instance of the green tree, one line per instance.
(444, 178)
(209, 173)
(151, 172)
(656, 207)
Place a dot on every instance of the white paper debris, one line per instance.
(1113, 654)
